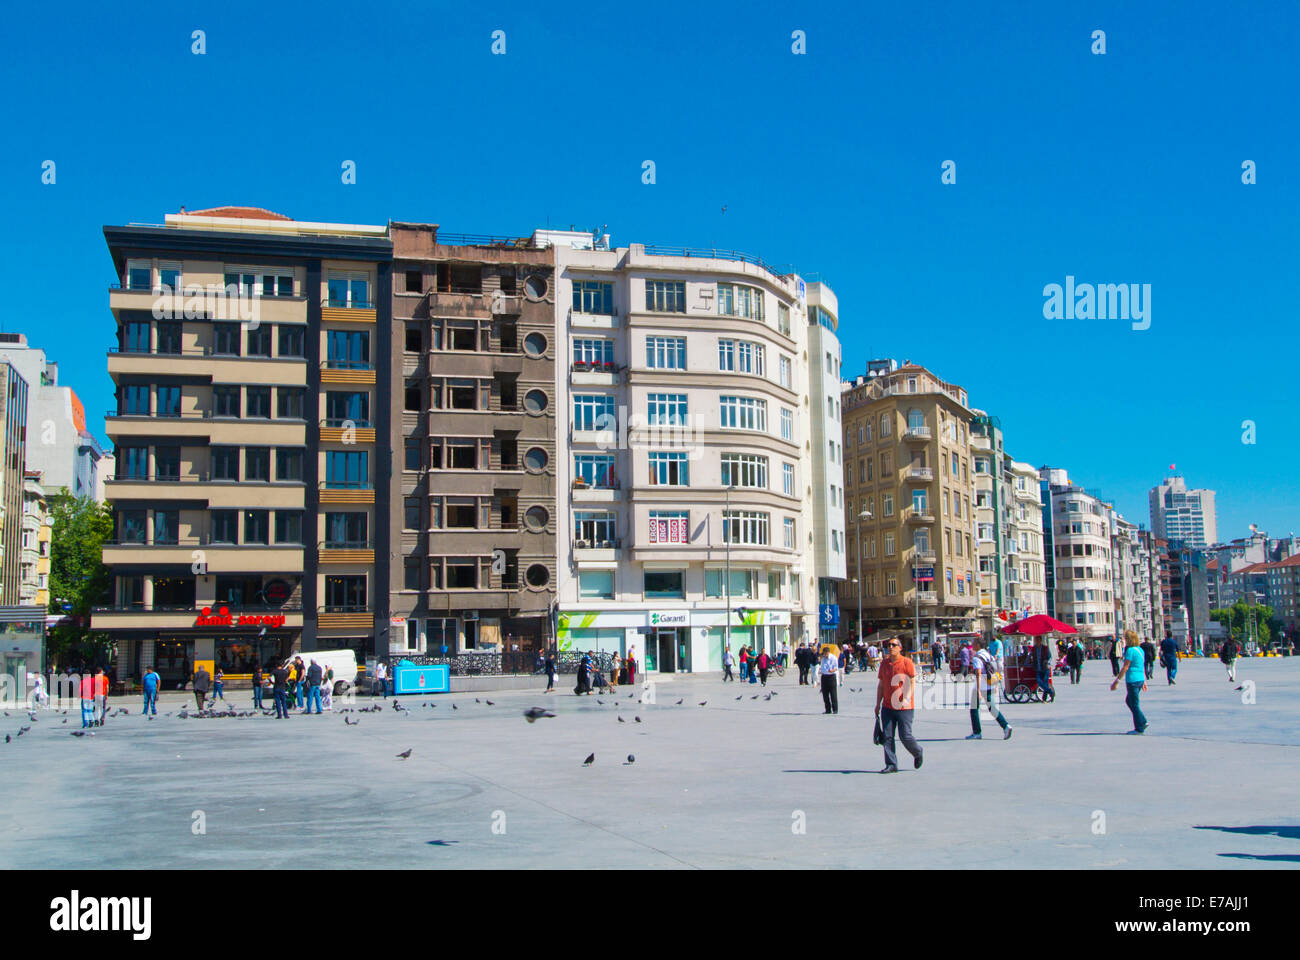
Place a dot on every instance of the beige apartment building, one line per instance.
(1081, 590)
(246, 464)
(910, 485)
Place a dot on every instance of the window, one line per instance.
(167, 463)
(256, 526)
(139, 275)
(742, 584)
(289, 403)
(411, 513)
(664, 585)
(169, 338)
(787, 479)
(737, 300)
(593, 352)
(347, 469)
(345, 593)
(594, 296)
(884, 425)
(666, 409)
(741, 356)
(132, 463)
(744, 470)
(462, 573)
(225, 401)
(344, 407)
(783, 319)
(787, 424)
(258, 402)
(665, 296)
(462, 513)
(135, 336)
(669, 469)
(348, 530)
(919, 500)
(788, 533)
(745, 526)
(744, 413)
(596, 584)
(887, 504)
(259, 341)
(414, 454)
(347, 349)
(414, 281)
(670, 526)
(786, 368)
(349, 290)
(594, 469)
(889, 544)
(225, 339)
(665, 353)
(166, 526)
(594, 528)
(293, 341)
(169, 402)
(257, 463)
(462, 454)
(288, 466)
(225, 526)
(225, 463)
(593, 412)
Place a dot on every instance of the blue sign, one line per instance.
(829, 614)
(409, 678)
(923, 574)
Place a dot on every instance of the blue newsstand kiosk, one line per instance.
(415, 678)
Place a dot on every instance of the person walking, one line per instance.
(1228, 655)
(894, 705)
(300, 674)
(785, 654)
(549, 666)
(380, 686)
(149, 684)
(101, 697)
(327, 689)
(1074, 660)
(727, 660)
(829, 672)
(631, 665)
(936, 656)
(615, 664)
(965, 654)
(1149, 657)
(218, 685)
(257, 685)
(801, 661)
(744, 662)
(1114, 656)
(1043, 668)
(280, 690)
(314, 676)
(202, 684)
(1169, 656)
(987, 688)
(764, 662)
(584, 676)
(87, 700)
(1134, 678)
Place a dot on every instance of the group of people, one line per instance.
(304, 684)
(622, 671)
(753, 668)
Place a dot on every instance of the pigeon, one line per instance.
(754, 697)
(768, 697)
(80, 733)
(621, 720)
(489, 703)
(631, 759)
(454, 707)
(65, 720)
(638, 719)
(477, 700)
(600, 701)
(631, 695)
(405, 753)
(679, 702)
(591, 758)
(182, 715)
(741, 697)
(533, 714)
(704, 703)
(348, 721)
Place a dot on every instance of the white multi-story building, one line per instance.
(1026, 591)
(1179, 514)
(686, 414)
(827, 453)
(1077, 548)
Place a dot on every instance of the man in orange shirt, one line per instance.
(101, 697)
(894, 704)
(87, 700)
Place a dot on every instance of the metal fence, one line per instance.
(510, 663)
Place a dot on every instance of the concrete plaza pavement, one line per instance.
(1211, 785)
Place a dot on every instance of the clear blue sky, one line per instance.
(1117, 168)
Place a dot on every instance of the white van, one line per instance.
(343, 662)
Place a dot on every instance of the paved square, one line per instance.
(1212, 784)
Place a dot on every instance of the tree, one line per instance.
(78, 577)
(1236, 620)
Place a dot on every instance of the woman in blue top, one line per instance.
(1134, 678)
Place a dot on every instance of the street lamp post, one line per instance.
(864, 515)
(726, 536)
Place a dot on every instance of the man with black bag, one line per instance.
(894, 705)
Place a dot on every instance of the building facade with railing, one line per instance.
(473, 487)
(685, 463)
(1077, 547)
(248, 480)
(909, 477)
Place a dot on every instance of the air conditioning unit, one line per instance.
(581, 544)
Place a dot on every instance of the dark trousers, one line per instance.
(762, 675)
(257, 696)
(281, 704)
(831, 693)
(198, 697)
(1131, 699)
(727, 673)
(991, 697)
(900, 720)
(1114, 665)
(803, 673)
(1151, 669)
(1045, 684)
(1171, 670)
(1075, 673)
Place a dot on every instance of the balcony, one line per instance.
(918, 515)
(346, 551)
(592, 373)
(605, 492)
(345, 617)
(334, 430)
(334, 310)
(596, 551)
(920, 473)
(347, 371)
(923, 555)
(597, 321)
(347, 491)
(916, 433)
(926, 598)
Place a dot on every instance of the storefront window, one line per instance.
(236, 655)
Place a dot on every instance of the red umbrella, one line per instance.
(1037, 625)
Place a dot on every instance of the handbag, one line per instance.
(878, 735)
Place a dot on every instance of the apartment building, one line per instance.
(472, 547)
(246, 423)
(1182, 515)
(36, 544)
(63, 449)
(910, 478)
(1077, 551)
(689, 486)
(829, 544)
(1124, 549)
(13, 466)
(1026, 592)
(1282, 592)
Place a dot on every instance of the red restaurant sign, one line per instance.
(224, 618)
